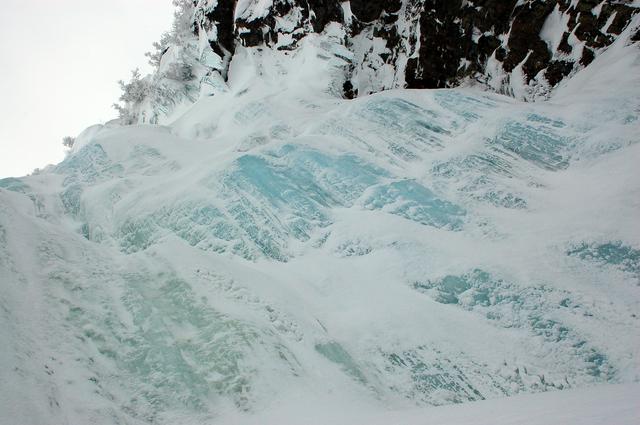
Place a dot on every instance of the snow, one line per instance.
(277, 254)
(605, 28)
(553, 28)
(600, 405)
(250, 10)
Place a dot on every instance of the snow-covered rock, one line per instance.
(524, 49)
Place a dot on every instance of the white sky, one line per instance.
(59, 65)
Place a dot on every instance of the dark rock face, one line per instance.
(370, 10)
(442, 45)
(452, 35)
(557, 70)
(324, 11)
(524, 39)
(437, 43)
(457, 41)
(307, 16)
(220, 17)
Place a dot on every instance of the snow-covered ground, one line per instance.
(277, 253)
(600, 405)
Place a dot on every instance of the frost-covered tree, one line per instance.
(143, 99)
(180, 71)
(133, 94)
(181, 29)
(160, 48)
(135, 90)
(68, 141)
(185, 68)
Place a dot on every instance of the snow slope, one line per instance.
(601, 405)
(406, 249)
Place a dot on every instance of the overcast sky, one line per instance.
(60, 61)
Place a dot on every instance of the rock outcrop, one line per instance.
(522, 48)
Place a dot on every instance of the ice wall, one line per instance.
(410, 248)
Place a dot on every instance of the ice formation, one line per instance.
(276, 246)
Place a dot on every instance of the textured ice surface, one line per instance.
(413, 201)
(614, 254)
(405, 249)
